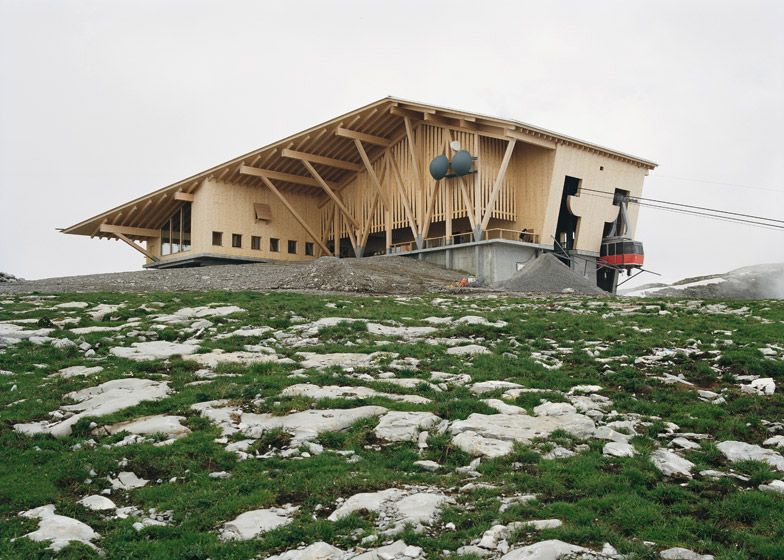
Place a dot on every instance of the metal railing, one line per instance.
(465, 237)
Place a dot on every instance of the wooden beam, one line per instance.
(132, 231)
(142, 250)
(279, 176)
(368, 222)
(402, 193)
(313, 158)
(412, 150)
(531, 139)
(371, 172)
(498, 182)
(405, 113)
(369, 138)
(294, 213)
(183, 196)
(467, 202)
(329, 192)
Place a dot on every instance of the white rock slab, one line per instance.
(477, 320)
(316, 551)
(396, 507)
(127, 481)
(544, 550)
(188, 314)
(101, 400)
(670, 464)
(319, 392)
(149, 425)
(404, 426)
(214, 358)
(467, 350)
(77, 371)
(762, 386)
(59, 529)
(517, 428)
(251, 524)
(408, 333)
(477, 445)
(154, 350)
(308, 424)
(97, 503)
(72, 305)
(740, 451)
(100, 311)
(483, 387)
(618, 449)
(678, 553)
(776, 486)
(341, 359)
(503, 407)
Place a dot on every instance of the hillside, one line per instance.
(763, 281)
(243, 425)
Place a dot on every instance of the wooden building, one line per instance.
(359, 185)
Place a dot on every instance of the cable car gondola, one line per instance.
(622, 251)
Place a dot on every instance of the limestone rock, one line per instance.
(154, 350)
(741, 451)
(671, 464)
(150, 425)
(678, 553)
(97, 503)
(404, 426)
(618, 449)
(544, 550)
(101, 400)
(59, 529)
(251, 524)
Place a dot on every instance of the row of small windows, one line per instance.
(255, 243)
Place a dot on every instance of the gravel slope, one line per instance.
(371, 275)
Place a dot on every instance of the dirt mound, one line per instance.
(547, 274)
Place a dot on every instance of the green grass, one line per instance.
(621, 501)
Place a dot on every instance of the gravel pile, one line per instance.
(547, 274)
(393, 275)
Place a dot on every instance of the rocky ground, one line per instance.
(333, 427)
(387, 275)
(762, 281)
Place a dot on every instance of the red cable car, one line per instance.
(622, 251)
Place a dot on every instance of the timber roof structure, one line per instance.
(326, 153)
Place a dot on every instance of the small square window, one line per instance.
(274, 245)
(217, 238)
(308, 248)
(292, 247)
(236, 240)
(255, 242)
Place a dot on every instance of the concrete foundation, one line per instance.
(490, 261)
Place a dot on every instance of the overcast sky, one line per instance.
(105, 101)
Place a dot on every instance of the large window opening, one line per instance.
(567, 222)
(618, 227)
(176, 231)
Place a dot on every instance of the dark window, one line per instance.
(292, 247)
(274, 245)
(255, 242)
(217, 238)
(309, 248)
(176, 232)
(236, 240)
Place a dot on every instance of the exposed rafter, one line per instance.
(369, 138)
(279, 176)
(313, 158)
(132, 231)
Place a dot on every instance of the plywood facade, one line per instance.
(360, 185)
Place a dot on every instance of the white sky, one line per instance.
(101, 102)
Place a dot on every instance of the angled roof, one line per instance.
(379, 119)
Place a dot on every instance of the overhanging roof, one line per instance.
(329, 147)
